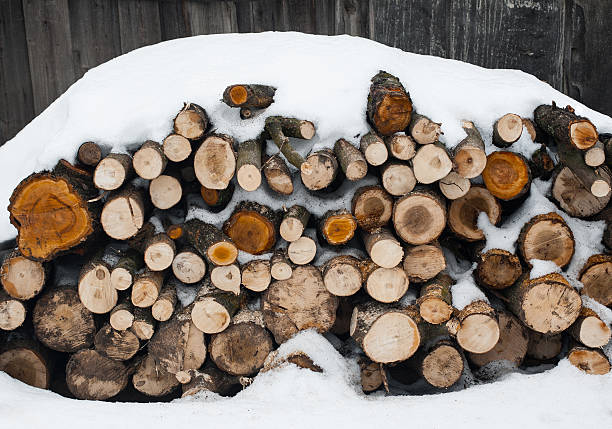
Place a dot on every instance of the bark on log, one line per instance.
(435, 300)
(256, 275)
(217, 199)
(463, 213)
(144, 324)
(152, 379)
(372, 207)
(389, 107)
(215, 161)
(373, 149)
(454, 185)
(123, 214)
(252, 227)
(213, 244)
(589, 329)
(281, 267)
(596, 155)
(565, 126)
(397, 178)
(547, 237)
(383, 248)
(188, 266)
(507, 175)
(89, 154)
(249, 95)
(351, 160)
(320, 171)
(166, 302)
(21, 277)
(337, 227)
(124, 271)
(95, 289)
(431, 163)
(113, 171)
(498, 269)
(401, 146)
(573, 197)
(209, 380)
(424, 262)
(280, 129)
(295, 220)
(596, 180)
(511, 346)
(302, 251)
(122, 316)
(475, 327)
(191, 122)
(342, 275)
(469, 157)
(596, 276)
(176, 147)
(385, 285)
(149, 161)
(278, 176)
(248, 165)
(165, 191)
(12, 312)
(420, 216)
(371, 374)
(90, 375)
(544, 347)
(226, 278)
(591, 361)
(146, 288)
(213, 309)
(541, 164)
(423, 130)
(507, 130)
(116, 345)
(23, 358)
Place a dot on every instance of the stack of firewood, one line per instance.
(96, 293)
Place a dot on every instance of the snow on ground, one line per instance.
(324, 79)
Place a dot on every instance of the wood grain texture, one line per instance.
(139, 23)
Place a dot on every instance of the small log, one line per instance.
(176, 147)
(546, 304)
(431, 163)
(573, 197)
(337, 227)
(191, 122)
(122, 316)
(188, 266)
(113, 171)
(547, 237)
(116, 345)
(23, 358)
(248, 165)
(123, 214)
(373, 149)
(383, 248)
(498, 269)
(423, 130)
(249, 95)
(296, 128)
(61, 321)
(463, 213)
(213, 244)
(152, 379)
(302, 251)
(507, 130)
(95, 289)
(469, 157)
(424, 262)
(475, 327)
(596, 180)
(320, 171)
(166, 302)
(385, 285)
(454, 185)
(226, 278)
(209, 380)
(215, 161)
(435, 300)
(420, 216)
(21, 277)
(252, 227)
(144, 324)
(507, 175)
(596, 276)
(589, 329)
(565, 126)
(281, 267)
(159, 252)
(595, 155)
(146, 288)
(591, 361)
(541, 164)
(124, 271)
(389, 107)
(278, 176)
(89, 375)
(300, 302)
(165, 191)
(342, 275)
(276, 129)
(372, 207)
(386, 334)
(217, 199)
(544, 347)
(256, 275)
(246, 113)
(440, 364)
(149, 161)
(401, 146)
(89, 154)
(295, 220)
(351, 160)
(371, 375)
(12, 312)
(397, 178)
(213, 309)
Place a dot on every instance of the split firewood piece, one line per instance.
(386, 334)
(159, 252)
(565, 126)
(213, 244)
(278, 176)
(281, 267)
(547, 304)
(209, 379)
(163, 308)
(424, 262)
(146, 288)
(295, 220)
(252, 227)
(302, 251)
(217, 199)
(165, 191)
(122, 316)
(373, 149)
(298, 303)
(116, 345)
(113, 171)
(243, 347)
(475, 327)
(144, 324)
(511, 346)
(215, 161)
(280, 129)
(507, 175)
(123, 214)
(191, 122)
(596, 276)
(342, 275)
(589, 329)
(389, 106)
(383, 248)
(547, 237)
(248, 165)
(469, 157)
(440, 364)
(541, 164)
(591, 361)
(371, 375)
(397, 178)
(431, 163)
(338, 227)
(372, 207)
(52, 213)
(435, 300)
(463, 213)
(401, 146)
(423, 130)
(320, 171)
(89, 154)
(12, 312)
(498, 269)
(595, 155)
(149, 161)
(152, 379)
(351, 160)
(249, 95)
(90, 375)
(23, 358)
(176, 147)
(21, 277)
(454, 185)
(507, 130)
(573, 197)
(420, 216)
(544, 347)
(213, 308)
(95, 289)
(188, 266)
(124, 271)
(226, 278)
(61, 322)
(256, 275)
(385, 285)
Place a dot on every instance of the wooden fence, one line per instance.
(45, 45)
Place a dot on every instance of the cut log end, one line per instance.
(110, 173)
(593, 332)
(22, 278)
(121, 319)
(376, 153)
(463, 213)
(372, 207)
(189, 267)
(12, 314)
(123, 216)
(95, 289)
(547, 237)
(507, 130)
(89, 153)
(435, 310)
(443, 366)
(191, 122)
(424, 262)
(583, 134)
(302, 251)
(573, 197)
(222, 253)
(152, 379)
(165, 191)
(591, 361)
(90, 375)
(431, 163)
(26, 365)
(507, 175)
(454, 185)
(215, 162)
(338, 227)
(256, 275)
(383, 249)
(398, 179)
(291, 229)
(342, 276)
(478, 333)
(149, 161)
(249, 177)
(159, 255)
(226, 278)
(387, 285)
(498, 269)
(393, 114)
(121, 278)
(176, 148)
(251, 231)
(511, 346)
(596, 276)
(209, 316)
(419, 217)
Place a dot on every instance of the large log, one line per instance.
(213, 308)
(573, 197)
(12, 312)
(589, 329)
(424, 262)
(373, 148)
(511, 346)
(210, 379)
(469, 157)
(596, 276)
(95, 289)
(342, 275)
(116, 345)
(435, 300)
(596, 180)
(385, 285)
(21, 277)
(113, 171)
(420, 216)
(337, 227)
(431, 163)
(544, 347)
(507, 175)
(89, 375)
(149, 161)
(389, 106)
(383, 248)
(498, 269)
(463, 213)
(397, 178)
(248, 165)
(215, 161)
(295, 220)
(252, 227)
(278, 176)
(372, 207)
(252, 96)
(152, 379)
(565, 126)
(547, 237)
(213, 244)
(351, 160)
(23, 358)
(123, 214)
(191, 122)
(507, 130)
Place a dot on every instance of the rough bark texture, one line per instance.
(144, 324)
(217, 199)
(164, 306)
(596, 276)
(435, 301)
(463, 213)
(248, 165)
(351, 160)
(541, 164)
(573, 197)
(389, 106)
(420, 216)
(275, 130)
(278, 176)
(565, 126)
(544, 347)
(210, 242)
(249, 95)
(116, 345)
(372, 207)
(507, 175)
(252, 227)
(90, 375)
(373, 148)
(498, 269)
(547, 237)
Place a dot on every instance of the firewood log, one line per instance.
(149, 161)
(215, 161)
(295, 220)
(397, 178)
(454, 185)
(544, 347)
(146, 288)
(498, 269)
(21, 277)
(152, 379)
(281, 266)
(143, 325)
(278, 176)
(217, 199)
(226, 278)
(589, 329)
(191, 122)
(389, 106)
(210, 242)
(252, 227)
(159, 252)
(302, 251)
(507, 130)
(541, 164)
(113, 171)
(431, 163)
(469, 157)
(165, 191)
(596, 276)
(124, 271)
(342, 275)
(89, 154)
(439, 363)
(547, 237)
(423, 130)
(424, 262)
(213, 308)
(507, 175)
(420, 216)
(475, 327)
(435, 300)
(591, 361)
(401, 146)
(596, 180)
(373, 149)
(297, 358)
(256, 275)
(209, 379)
(372, 207)
(95, 289)
(163, 308)
(176, 147)
(122, 316)
(12, 312)
(463, 213)
(249, 95)
(595, 155)
(279, 129)
(371, 375)
(300, 302)
(565, 126)
(90, 375)
(248, 164)
(116, 345)
(23, 358)
(320, 171)
(573, 197)
(351, 160)
(188, 266)
(123, 214)
(383, 248)
(385, 285)
(546, 304)
(337, 227)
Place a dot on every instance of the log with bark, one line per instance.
(295, 220)
(595, 155)
(573, 197)
(191, 122)
(113, 171)
(146, 288)
(384, 285)
(383, 248)
(121, 316)
(401, 146)
(440, 364)
(149, 161)
(397, 178)
(22, 278)
(159, 252)
(596, 180)
(431, 163)
(152, 379)
(23, 358)
(424, 262)
(372, 207)
(469, 157)
(498, 269)
(188, 266)
(420, 216)
(435, 300)
(12, 312)
(423, 130)
(124, 271)
(89, 154)
(565, 126)
(252, 227)
(351, 160)
(547, 237)
(256, 275)
(213, 309)
(281, 267)
(464, 212)
(389, 106)
(541, 164)
(250, 96)
(209, 379)
(475, 327)
(248, 164)
(144, 324)
(163, 307)
(342, 275)
(278, 176)
(596, 276)
(373, 148)
(507, 175)
(591, 361)
(214, 162)
(507, 130)
(337, 227)
(123, 214)
(211, 242)
(95, 289)
(589, 329)
(217, 199)
(176, 147)
(90, 375)
(371, 375)
(279, 129)
(116, 345)
(544, 347)
(320, 171)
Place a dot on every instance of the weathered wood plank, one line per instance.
(353, 17)
(173, 19)
(139, 23)
(211, 17)
(47, 25)
(16, 104)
